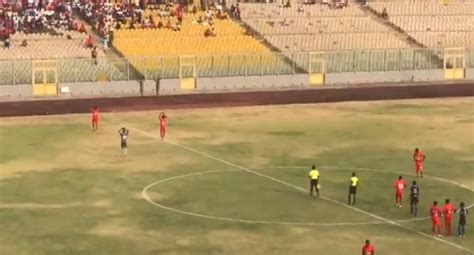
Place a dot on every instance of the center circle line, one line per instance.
(240, 220)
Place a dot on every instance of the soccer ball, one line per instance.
(319, 186)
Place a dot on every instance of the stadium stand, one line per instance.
(319, 28)
(434, 24)
(345, 32)
(339, 41)
(322, 27)
(48, 47)
(73, 56)
(34, 34)
(257, 10)
(423, 7)
(242, 40)
(162, 35)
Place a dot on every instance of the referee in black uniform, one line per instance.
(414, 198)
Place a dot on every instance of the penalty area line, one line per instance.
(391, 222)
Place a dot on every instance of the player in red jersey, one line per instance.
(419, 158)
(399, 186)
(368, 249)
(435, 213)
(95, 118)
(163, 124)
(448, 211)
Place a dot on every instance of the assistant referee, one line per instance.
(314, 181)
(353, 183)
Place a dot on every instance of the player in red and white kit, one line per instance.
(419, 158)
(435, 213)
(163, 124)
(448, 211)
(368, 249)
(399, 186)
(95, 118)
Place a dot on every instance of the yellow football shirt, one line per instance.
(354, 181)
(314, 174)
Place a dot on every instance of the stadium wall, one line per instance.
(17, 92)
(217, 84)
(252, 82)
(384, 77)
(120, 88)
(470, 74)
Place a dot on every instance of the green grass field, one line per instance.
(234, 180)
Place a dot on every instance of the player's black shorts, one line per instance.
(414, 200)
(352, 189)
(123, 144)
(314, 182)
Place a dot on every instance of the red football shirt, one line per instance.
(163, 121)
(419, 157)
(399, 185)
(435, 213)
(95, 114)
(368, 250)
(449, 210)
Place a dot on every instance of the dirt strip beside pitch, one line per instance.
(65, 106)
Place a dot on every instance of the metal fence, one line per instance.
(149, 68)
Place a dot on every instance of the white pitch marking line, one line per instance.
(175, 210)
(305, 191)
(37, 206)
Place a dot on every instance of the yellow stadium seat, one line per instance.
(151, 50)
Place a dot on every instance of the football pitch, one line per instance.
(235, 180)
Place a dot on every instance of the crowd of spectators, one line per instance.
(54, 19)
(107, 17)
(16, 18)
(47, 19)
